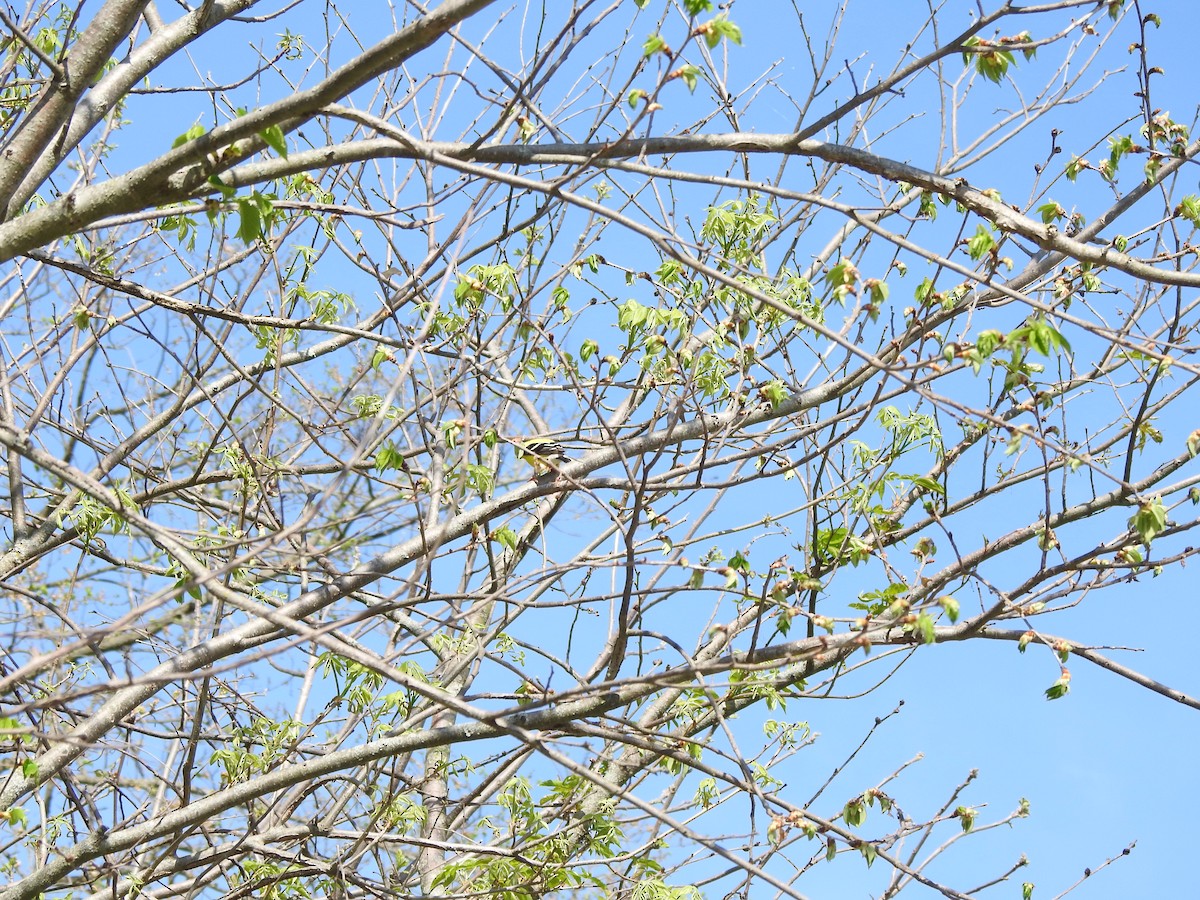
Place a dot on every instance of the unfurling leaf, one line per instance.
(1150, 520)
(966, 817)
(855, 812)
(1060, 688)
(273, 136)
(950, 605)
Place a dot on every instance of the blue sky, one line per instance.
(1109, 765)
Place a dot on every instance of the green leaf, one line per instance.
(1147, 432)
(843, 278)
(841, 274)
(855, 812)
(878, 289)
(1026, 38)
(1039, 339)
(670, 272)
(690, 75)
(273, 135)
(929, 484)
(925, 628)
(1060, 688)
(632, 316)
(1189, 208)
(1150, 520)
(445, 876)
(191, 134)
(923, 291)
(1041, 336)
(249, 221)
(388, 457)
(505, 537)
(950, 605)
(226, 191)
(988, 341)
(774, 393)
(381, 355)
(966, 817)
(718, 29)
(981, 243)
(16, 816)
(869, 852)
(927, 209)
(654, 44)
(1057, 691)
(991, 61)
(1118, 148)
(1130, 555)
(1051, 212)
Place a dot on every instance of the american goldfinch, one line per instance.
(541, 453)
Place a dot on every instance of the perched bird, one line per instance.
(544, 454)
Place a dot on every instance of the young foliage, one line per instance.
(292, 296)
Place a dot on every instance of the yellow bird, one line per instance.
(544, 454)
